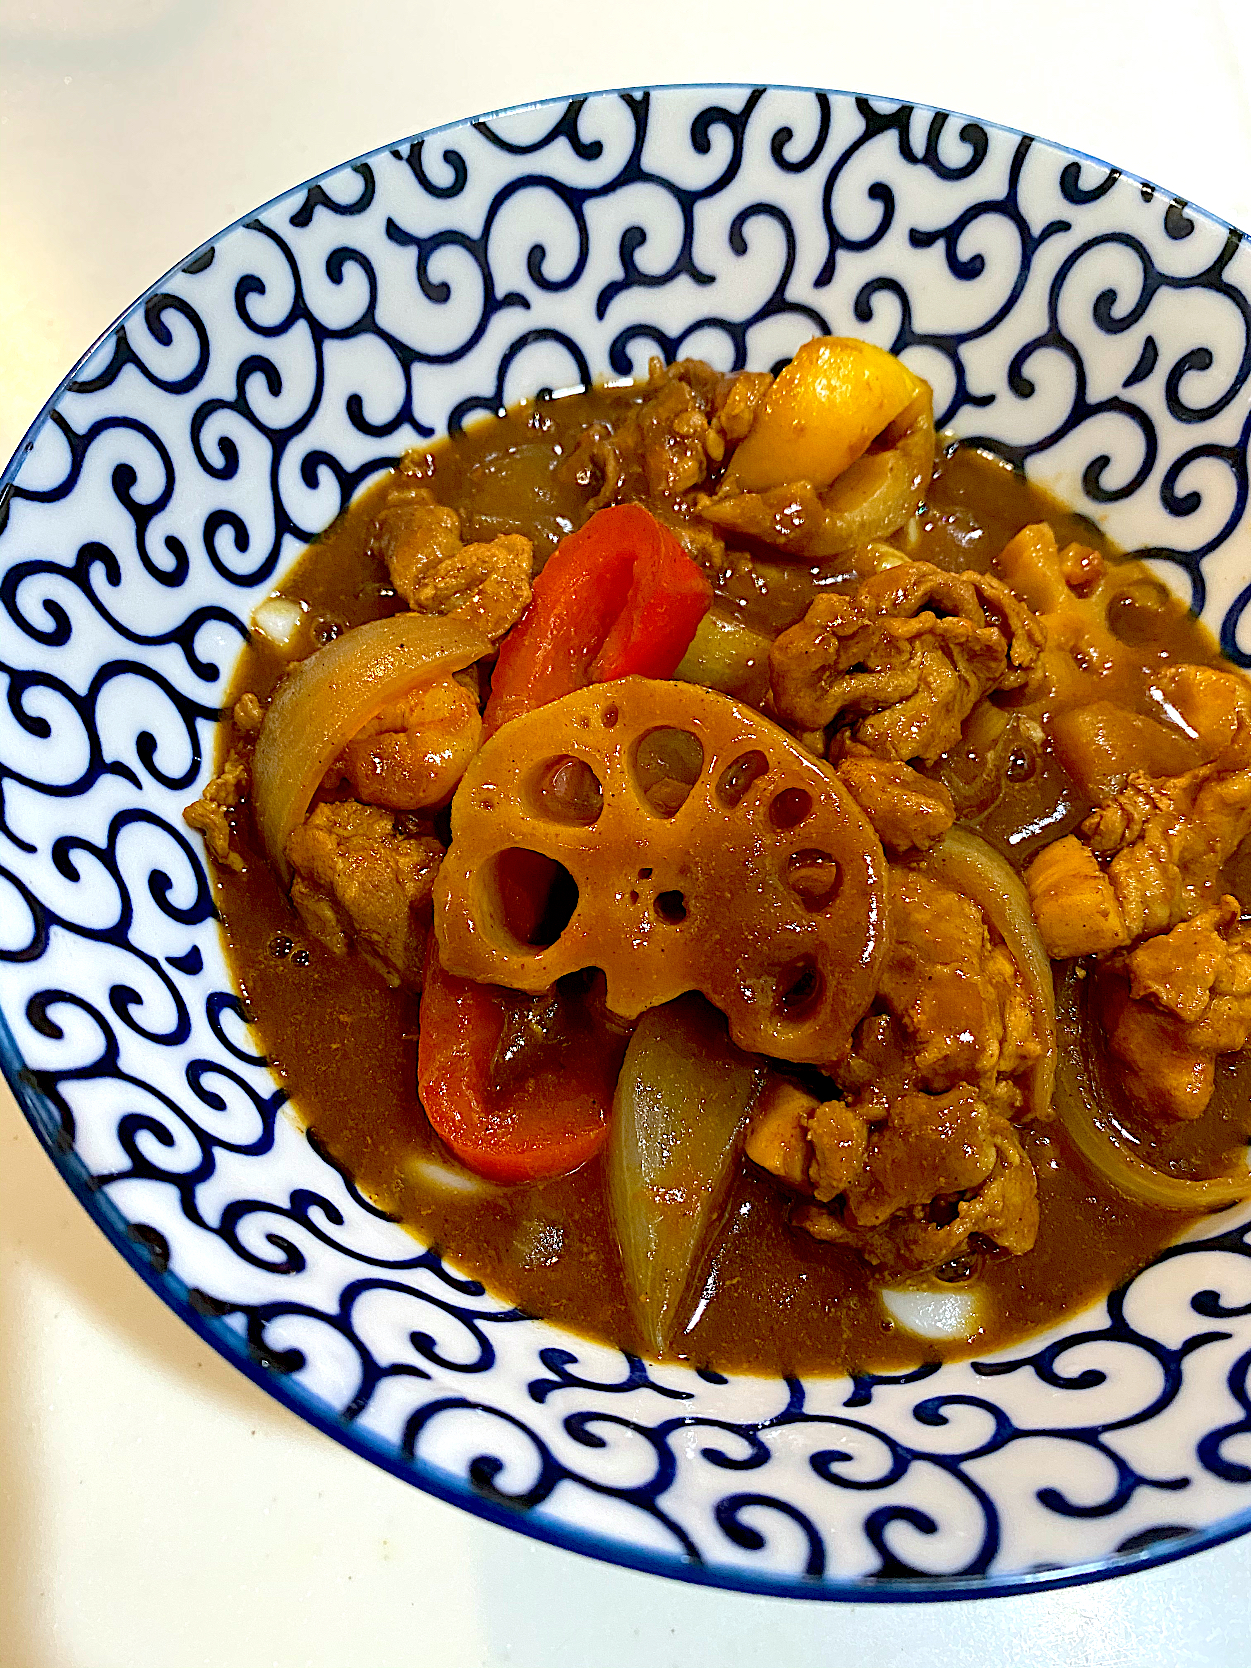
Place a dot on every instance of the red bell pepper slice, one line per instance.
(619, 597)
(548, 1122)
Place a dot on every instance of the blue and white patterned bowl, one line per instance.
(1083, 323)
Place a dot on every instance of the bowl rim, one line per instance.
(228, 1343)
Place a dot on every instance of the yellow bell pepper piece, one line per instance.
(822, 413)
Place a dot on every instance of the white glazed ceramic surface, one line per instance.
(1067, 314)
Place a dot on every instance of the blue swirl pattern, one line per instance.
(1069, 317)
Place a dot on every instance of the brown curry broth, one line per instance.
(345, 1045)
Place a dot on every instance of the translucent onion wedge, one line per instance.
(1102, 1145)
(955, 1312)
(728, 656)
(325, 700)
(678, 1115)
(967, 864)
(278, 621)
(446, 1178)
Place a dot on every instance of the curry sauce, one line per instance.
(769, 1298)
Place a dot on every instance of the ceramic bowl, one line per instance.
(1084, 324)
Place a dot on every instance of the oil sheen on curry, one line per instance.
(749, 880)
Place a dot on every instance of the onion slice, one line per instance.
(278, 621)
(326, 699)
(967, 864)
(682, 1100)
(954, 1312)
(1100, 1143)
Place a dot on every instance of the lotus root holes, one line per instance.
(534, 897)
(737, 778)
(671, 907)
(667, 764)
(813, 877)
(799, 989)
(789, 808)
(568, 791)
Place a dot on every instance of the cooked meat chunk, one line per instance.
(777, 1138)
(1194, 969)
(210, 814)
(248, 715)
(735, 403)
(1073, 901)
(839, 1141)
(225, 793)
(689, 420)
(907, 1185)
(1179, 1000)
(486, 585)
(413, 532)
(792, 517)
(1161, 844)
(412, 753)
(1155, 1066)
(919, 1153)
(1167, 841)
(928, 1146)
(671, 437)
(954, 1000)
(359, 882)
(873, 497)
(928, 1228)
(694, 418)
(702, 543)
(1214, 705)
(909, 812)
(688, 423)
(908, 656)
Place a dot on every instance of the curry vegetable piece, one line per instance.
(544, 1121)
(873, 497)
(619, 596)
(727, 655)
(682, 1101)
(714, 855)
(839, 452)
(824, 410)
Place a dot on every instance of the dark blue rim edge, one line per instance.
(312, 1410)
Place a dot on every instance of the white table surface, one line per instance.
(156, 1509)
